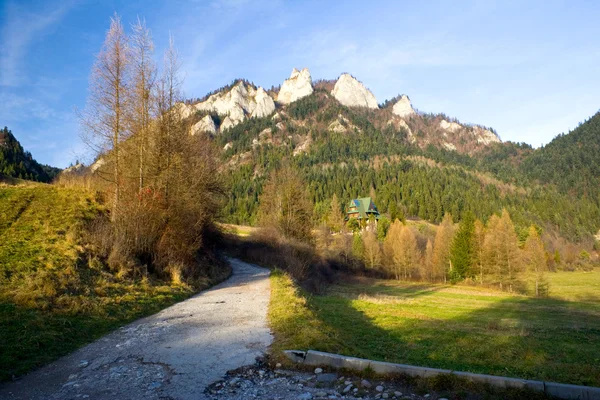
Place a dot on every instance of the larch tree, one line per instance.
(401, 251)
(104, 118)
(478, 241)
(285, 205)
(427, 263)
(501, 250)
(441, 248)
(335, 220)
(143, 79)
(534, 256)
(371, 250)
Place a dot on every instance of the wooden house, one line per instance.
(362, 209)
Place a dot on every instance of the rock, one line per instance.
(355, 390)
(184, 110)
(379, 388)
(278, 365)
(83, 363)
(305, 396)
(347, 382)
(347, 388)
(449, 146)
(241, 100)
(427, 396)
(206, 124)
(365, 383)
(450, 126)
(227, 147)
(326, 378)
(385, 396)
(397, 394)
(299, 85)
(97, 165)
(264, 104)
(403, 108)
(350, 92)
(318, 370)
(442, 398)
(154, 385)
(485, 136)
(321, 394)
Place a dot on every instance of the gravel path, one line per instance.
(174, 354)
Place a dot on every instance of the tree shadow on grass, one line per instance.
(542, 339)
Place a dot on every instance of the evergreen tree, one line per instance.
(461, 252)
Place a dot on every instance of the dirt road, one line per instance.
(174, 354)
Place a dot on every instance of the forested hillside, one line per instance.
(15, 162)
(555, 187)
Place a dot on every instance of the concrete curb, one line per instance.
(559, 390)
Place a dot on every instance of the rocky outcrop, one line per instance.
(450, 126)
(350, 92)
(184, 110)
(97, 165)
(240, 102)
(342, 125)
(264, 104)
(401, 124)
(299, 85)
(485, 136)
(403, 108)
(303, 146)
(206, 124)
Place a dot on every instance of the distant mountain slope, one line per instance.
(15, 162)
(571, 161)
(417, 164)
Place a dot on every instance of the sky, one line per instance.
(529, 69)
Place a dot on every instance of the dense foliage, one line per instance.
(15, 162)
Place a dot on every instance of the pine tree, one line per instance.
(461, 251)
(335, 220)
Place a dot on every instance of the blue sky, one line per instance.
(529, 69)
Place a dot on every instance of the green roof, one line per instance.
(364, 206)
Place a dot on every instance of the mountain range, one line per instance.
(416, 164)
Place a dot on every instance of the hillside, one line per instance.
(56, 292)
(416, 164)
(15, 162)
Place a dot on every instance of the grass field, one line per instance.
(454, 327)
(53, 299)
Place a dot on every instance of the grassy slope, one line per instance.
(453, 327)
(52, 298)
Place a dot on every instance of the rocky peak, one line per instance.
(403, 108)
(240, 101)
(206, 124)
(350, 92)
(297, 86)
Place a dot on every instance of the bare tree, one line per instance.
(103, 120)
(372, 249)
(142, 85)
